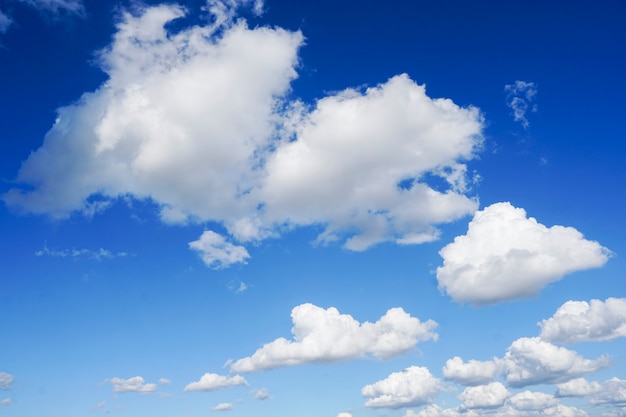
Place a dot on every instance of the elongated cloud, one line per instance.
(223, 407)
(507, 256)
(134, 384)
(199, 122)
(581, 321)
(57, 6)
(413, 386)
(213, 382)
(325, 335)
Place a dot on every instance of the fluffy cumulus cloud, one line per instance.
(223, 407)
(484, 396)
(506, 255)
(344, 414)
(469, 373)
(581, 321)
(325, 335)
(413, 386)
(520, 98)
(217, 253)
(6, 380)
(531, 401)
(530, 361)
(612, 391)
(198, 121)
(134, 384)
(213, 382)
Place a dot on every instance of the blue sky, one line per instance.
(312, 208)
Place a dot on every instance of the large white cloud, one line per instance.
(325, 335)
(213, 382)
(530, 361)
(581, 321)
(134, 384)
(469, 373)
(216, 252)
(6, 380)
(413, 386)
(612, 391)
(198, 122)
(484, 396)
(507, 256)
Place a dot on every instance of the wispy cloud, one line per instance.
(98, 254)
(520, 97)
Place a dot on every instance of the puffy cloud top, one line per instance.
(506, 256)
(484, 396)
(581, 321)
(413, 386)
(134, 384)
(325, 335)
(213, 382)
(469, 373)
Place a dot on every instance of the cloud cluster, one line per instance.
(325, 335)
(520, 95)
(507, 256)
(134, 384)
(413, 386)
(582, 321)
(612, 391)
(213, 382)
(199, 121)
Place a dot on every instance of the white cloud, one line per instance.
(581, 321)
(217, 253)
(5, 401)
(165, 381)
(6, 380)
(260, 393)
(507, 256)
(484, 396)
(612, 391)
(199, 122)
(5, 22)
(530, 361)
(344, 414)
(436, 411)
(520, 96)
(223, 407)
(413, 386)
(134, 384)
(57, 6)
(325, 335)
(469, 373)
(213, 382)
(80, 253)
(529, 400)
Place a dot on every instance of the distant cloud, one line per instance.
(413, 386)
(223, 407)
(520, 97)
(217, 253)
(6, 381)
(260, 394)
(532, 401)
(611, 392)
(213, 382)
(325, 335)
(201, 122)
(134, 384)
(531, 361)
(581, 321)
(56, 6)
(5, 402)
(5, 22)
(469, 373)
(98, 255)
(165, 381)
(344, 414)
(507, 256)
(484, 396)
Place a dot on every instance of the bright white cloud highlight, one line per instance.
(529, 400)
(507, 256)
(469, 373)
(530, 361)
(484, 396)
(223, 407)
(325, 335)
(344, 414)
(578, 387)
(520, 98)
(413, 386)
(134, 384)
(581, 321)
(612, 391)
(6, 380)
(198, 122)
(217, 253)
(213, 382)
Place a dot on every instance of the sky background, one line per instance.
(312, 208)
